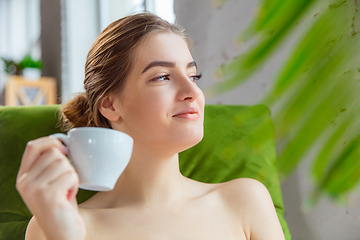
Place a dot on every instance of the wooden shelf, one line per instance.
(15, 92)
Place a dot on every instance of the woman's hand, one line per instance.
(48, 184)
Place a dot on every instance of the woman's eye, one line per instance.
(195, 77)
(162, 78)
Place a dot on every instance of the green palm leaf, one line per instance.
(345, 171)
(314, 96)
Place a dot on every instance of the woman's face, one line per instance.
(161, 106)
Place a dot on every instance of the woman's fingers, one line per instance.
(43, 165)
(49, 173)
(52, 156)
(34, 149)
(69, 181)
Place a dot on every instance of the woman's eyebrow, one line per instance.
(166, 64)
(159, 63)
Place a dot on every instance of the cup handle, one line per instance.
(64, 138)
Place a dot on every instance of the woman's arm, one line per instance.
(34, 231)
(265, 223)
(48, 184)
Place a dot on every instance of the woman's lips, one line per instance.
(189, 113)
(190, 116)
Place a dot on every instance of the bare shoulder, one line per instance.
(245, 197)
(34, 231)
(243, 190)
(250, 201)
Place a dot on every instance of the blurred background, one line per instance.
(300, 58)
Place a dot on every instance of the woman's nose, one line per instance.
(188, 90)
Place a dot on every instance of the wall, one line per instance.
(213, 30)
(51, 46)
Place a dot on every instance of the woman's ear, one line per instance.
(108, 110)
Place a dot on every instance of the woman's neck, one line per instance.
(150, 179)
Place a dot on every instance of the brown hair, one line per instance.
(108, 64)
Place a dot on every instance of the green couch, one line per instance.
(238, 142)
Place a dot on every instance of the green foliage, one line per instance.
(314, 96)
(12, 67)
(29, 62)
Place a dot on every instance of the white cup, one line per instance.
(99, 155)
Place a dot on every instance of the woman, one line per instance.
(141, 79)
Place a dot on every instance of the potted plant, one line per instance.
(31, 69)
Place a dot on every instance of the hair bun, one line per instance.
(75, 113)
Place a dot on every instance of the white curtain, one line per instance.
(19, 33)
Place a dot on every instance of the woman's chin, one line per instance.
(189, 140)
